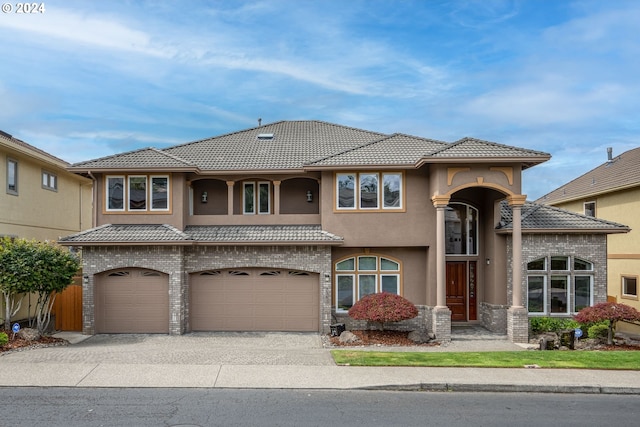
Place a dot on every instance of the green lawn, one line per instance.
(629, 360)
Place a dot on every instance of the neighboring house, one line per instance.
(40, 199)
(285, 226)
(612, 192)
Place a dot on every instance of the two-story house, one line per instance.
(283, 227)
(611, 191)
(40, 199)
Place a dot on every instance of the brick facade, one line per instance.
(179, 261)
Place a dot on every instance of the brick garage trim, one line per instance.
(178, 262)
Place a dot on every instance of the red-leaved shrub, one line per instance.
(611, 311)
(382, 308)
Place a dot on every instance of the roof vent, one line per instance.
(265, 136)
(609, 154)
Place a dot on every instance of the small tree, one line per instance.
(14, 275)
(42, 268)
(613, 312)
(382, 308)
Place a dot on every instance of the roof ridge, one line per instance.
(112, 156)
(172, 156)
(349, 150)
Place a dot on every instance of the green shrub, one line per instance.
(598, 330)
(541, 325)
(4, 339)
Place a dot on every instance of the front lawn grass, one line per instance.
(624, 360)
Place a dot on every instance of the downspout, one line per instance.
(94, 204)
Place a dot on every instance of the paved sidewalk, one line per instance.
(276, 360)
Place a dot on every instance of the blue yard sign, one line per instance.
(15, 328)
(578, 332)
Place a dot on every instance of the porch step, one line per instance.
(475, 333)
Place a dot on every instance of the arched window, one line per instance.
(362, 275)
(461, 229)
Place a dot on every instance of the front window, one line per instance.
(141, 193)
(369, 191)
(555, 288)
(461, 229)
(137, 193)
(12, 176)
(359, 276)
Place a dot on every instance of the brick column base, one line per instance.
(518, 324)
(441, 323)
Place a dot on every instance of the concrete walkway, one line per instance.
(276, 360)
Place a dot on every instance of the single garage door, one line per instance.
(254, 300)
(132, 301)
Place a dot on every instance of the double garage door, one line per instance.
(137, 301)
(254, 300)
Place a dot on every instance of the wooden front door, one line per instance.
(457, 290)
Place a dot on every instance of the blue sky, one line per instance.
(86, 79)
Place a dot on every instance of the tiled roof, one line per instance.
(397, 149)
(621, 172)
(477, 148)
(537, 217)
(261, 233)
(223, 234)
(144, 158)
(127, 233)
(295, 145)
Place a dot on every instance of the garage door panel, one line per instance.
(258, 301)
(132, 302)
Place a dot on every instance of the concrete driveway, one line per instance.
(200, 348)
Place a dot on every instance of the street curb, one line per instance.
(506, 388)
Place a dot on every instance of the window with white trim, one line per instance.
(361, 275)
(49, 181)
(137, 193)
(256, 198)
(369, 191)
(559, 285)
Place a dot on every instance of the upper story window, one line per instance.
(49, 181)
(137, 193)
(369, 191)
(358, 276)
(590, 209)
(559, 285)
(256, 198)
(12, 177)
(461, 229)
